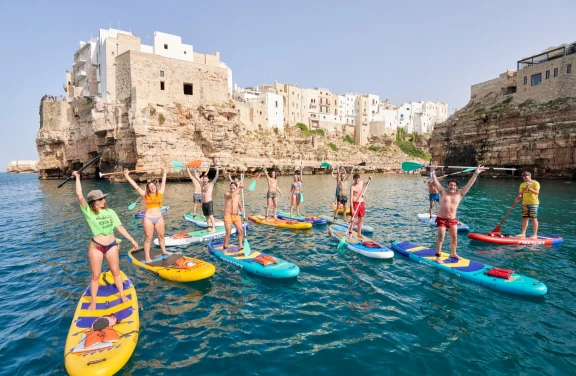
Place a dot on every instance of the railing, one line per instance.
(542, 58)
(81, 73)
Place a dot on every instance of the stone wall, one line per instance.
(22, 167)
(562, 86)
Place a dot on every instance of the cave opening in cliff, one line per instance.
(188, 89)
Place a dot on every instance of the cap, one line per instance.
(95, 195)
(526, 173)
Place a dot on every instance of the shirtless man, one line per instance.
(357, 208)
(236, 180)
(433, 194)
(446, 219)
(197, 198)
(207, 204)
(341, 187)
(271, 197)
(232, 204)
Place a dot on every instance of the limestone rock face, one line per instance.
(500, 132)
(148, 136)
(22, 167)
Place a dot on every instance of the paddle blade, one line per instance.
(301, 196)
(246, 247)
(497, 228)
(252, 185)
(177, 164)
(325, 164)
(342, 243)
(411, 166)
(194, 164)
(469, 170)
(132, 205)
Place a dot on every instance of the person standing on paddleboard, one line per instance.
(153, 220)
(357, 207)
(446, 219)
(273, 190)
(529, 191)
(295, 193)
(232, 205)
(433, 194)
(207, 204)
(197, 198)
(102, 222)
(341, 187)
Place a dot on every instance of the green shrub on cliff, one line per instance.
(333, 146)
(348, 139)
(374, 148)
(302, 127)
(412, 150)
(308, 132)
(161, 119)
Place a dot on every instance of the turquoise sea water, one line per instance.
(344, 314)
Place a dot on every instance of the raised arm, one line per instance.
(79, 194)
(347, 174)
(435, 178)
(335, 171)
(216, 176)
(230, 177)
(193, 175)
(300, 172)
(468, 185)
(163, 184)
(140, 191)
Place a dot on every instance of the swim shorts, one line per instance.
(342, 199)
(435, 197)
(271, 195)
(232, 219)
(359, 209)
(207, 208)
(443, 222)
(530, 211)
(197, 198)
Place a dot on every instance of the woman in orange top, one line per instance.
(153, 219)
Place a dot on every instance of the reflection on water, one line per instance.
(343, 314)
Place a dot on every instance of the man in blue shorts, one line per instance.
(433, 194)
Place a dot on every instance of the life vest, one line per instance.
(182, 263)
(500, 273)
(105, 335)
(265, 260)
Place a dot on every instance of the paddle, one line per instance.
(252, 185)
(342, 243)
(133, 205)
(245, 243)
(499, 227)
(460, 172)
(194, 164)
(122, 172)
(411, 166)
(86, 165)
(325, 165)
(301, 193)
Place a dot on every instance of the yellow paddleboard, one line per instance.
(282, 223)
(165, 266)
(341, 208)
(105, 358)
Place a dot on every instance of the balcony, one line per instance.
(80, 74)
(81, 61)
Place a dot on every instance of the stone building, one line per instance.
(542, 77)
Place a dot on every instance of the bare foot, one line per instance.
(92, 305)
(148, 261)
(535, 237)
(167, 253)
(455, 256)
(521, 235)
(439, 260)
(124, 299)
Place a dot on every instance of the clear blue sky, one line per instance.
(416, 50)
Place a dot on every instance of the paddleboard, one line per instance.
(199, 236)
(471, 270)
(165, 265)
(339, 222)
(497, 238)
(104, 358)
(301, 218)
(140, 214)
(364, 245)
(282, 223)
(425, 217)
(200, 220)
(340, 208)
(235, 256)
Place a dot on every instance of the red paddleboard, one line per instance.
(498, 238)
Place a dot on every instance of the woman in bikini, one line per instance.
(153, 219)
(102, 222)
(295, 193)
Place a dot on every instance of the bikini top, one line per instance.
(153, 201)
(297, 185)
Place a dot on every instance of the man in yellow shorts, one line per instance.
(231, 207)
(529, 191)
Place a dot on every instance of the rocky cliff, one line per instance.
(22, 167)
(71, 133)
(498, 131)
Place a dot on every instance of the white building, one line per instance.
(350, 108)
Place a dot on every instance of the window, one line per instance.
(555, 72)
(276, 104)
(161, 85)
(569, 68)
(165, 46)
(525, 80)
(547, 74)
(161, 73)
(188, 89)
(536, 79)
(184, 52)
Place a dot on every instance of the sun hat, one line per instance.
(95, 195)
